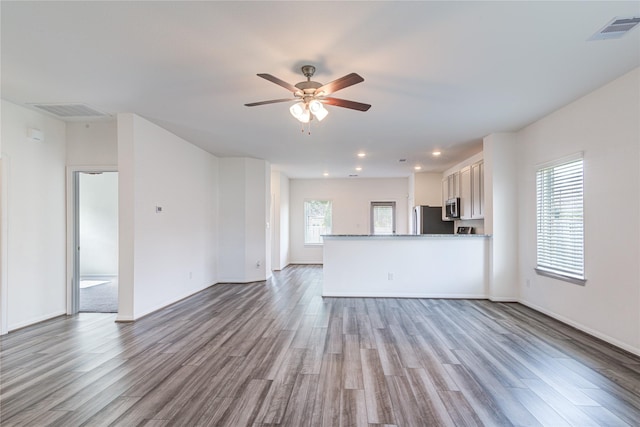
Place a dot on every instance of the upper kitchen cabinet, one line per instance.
(450, 187)
(465, 193)
(450, 190)
(466, 181)
(472, 191)
(477, 190)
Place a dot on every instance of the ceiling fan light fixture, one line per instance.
(318, 110)
(300, 112)
(315, 106)
(321, 114)
(312, 95)
(305, 117)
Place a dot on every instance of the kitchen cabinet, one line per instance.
(450, 190)
(468, 185)
(472, 191)
(454, 185)
(445, 196)
(465, 193)
(477, 190)
(451, 187)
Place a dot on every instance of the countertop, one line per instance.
(393, 236)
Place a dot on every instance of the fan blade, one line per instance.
(282, 83)
(341, 83)
(346, 104)
(272, 101)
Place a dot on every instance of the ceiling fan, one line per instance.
(312, 95)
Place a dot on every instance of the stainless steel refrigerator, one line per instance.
(428, 220)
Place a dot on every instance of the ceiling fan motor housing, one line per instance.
(308, 87)
(308, 71)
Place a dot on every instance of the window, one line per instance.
(560, 228)
(383, 217)
(317, 221)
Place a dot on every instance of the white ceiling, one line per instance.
(440, 75)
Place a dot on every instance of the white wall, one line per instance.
(232, 218)
(257, 205)
(351, 199)
(34, 197)
(244, 214)
(279, 220)
(169, 255)
(98, 226)
(92, 144)
(501, 214)
(284, 221)
(605, 126)
(427, 189)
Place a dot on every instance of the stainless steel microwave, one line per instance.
(452, 208)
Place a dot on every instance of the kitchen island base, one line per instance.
(407, 266)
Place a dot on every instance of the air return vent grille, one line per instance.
(617, 28)
(71, 111)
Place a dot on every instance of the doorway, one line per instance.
(95, 260)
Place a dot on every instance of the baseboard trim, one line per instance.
(503, 299)
(408, 295)
(583, 328)
(39, 319)
(122, 319)
(282, 268)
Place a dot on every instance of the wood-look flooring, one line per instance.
(277, 353)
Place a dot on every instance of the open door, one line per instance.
(94, 242)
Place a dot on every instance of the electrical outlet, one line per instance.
(258, 264)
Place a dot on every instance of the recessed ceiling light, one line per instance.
(436, 153)
(326, 174)
(358, 168)
(362, 155)
(417, 167)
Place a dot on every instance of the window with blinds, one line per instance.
(560, 225)
(383, 217)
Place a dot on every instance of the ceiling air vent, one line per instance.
(71, 111)
(617, 28)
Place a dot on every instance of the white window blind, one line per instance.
(383, 217)
(560, 225)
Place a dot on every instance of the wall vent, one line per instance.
(617, 28)
(71, 111)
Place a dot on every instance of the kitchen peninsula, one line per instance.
(406, 266)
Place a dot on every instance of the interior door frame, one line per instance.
(73, 231)
(4, 243)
